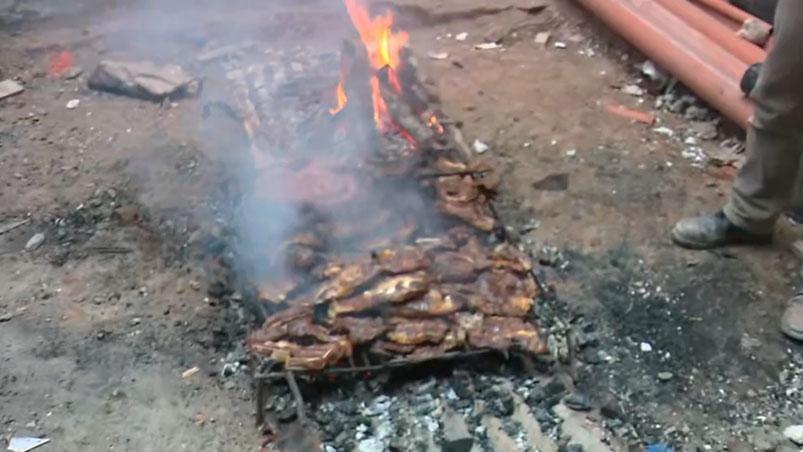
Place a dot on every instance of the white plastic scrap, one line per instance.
(488, 46)
(479, 146)
(25, 443)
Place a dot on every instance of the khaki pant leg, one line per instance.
(766, 183)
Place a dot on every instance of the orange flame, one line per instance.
(341, 98)
(383, 46)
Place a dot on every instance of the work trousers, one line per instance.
(767, 182)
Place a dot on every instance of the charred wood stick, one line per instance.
(402, 113)
(291, 382)
(261, 397)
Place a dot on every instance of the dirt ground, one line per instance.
(98, 324)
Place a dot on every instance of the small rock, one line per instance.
(645, 347)
(794, 433)
(73, 72)
(432, 55)
(488, 46)
(456, 437)
(190, 372)
(479, 146)
(35, 242)
(578, 402)
(461, 36)
(695, 113)
(136, 321)
(633, 90)
(72, 104)
(542, 38)
(763, 442)
(739, 446)
(610, 407)
(195, 285)
(559, 45)
(10, 88)
(665, 376)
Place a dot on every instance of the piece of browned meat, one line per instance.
(502, 333)
(395, 289)
(454, 267)
(507, 256)
(299, 357)
(474, 213)
(456, 189)
(388, 348)
(361, 329)
(434, 304)
(502, 285)
(402, 260)
(419, 331)
(346, 281)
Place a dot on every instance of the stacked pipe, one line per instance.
(692, 42)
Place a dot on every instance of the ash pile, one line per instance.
(368, 248)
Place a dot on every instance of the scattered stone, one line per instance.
(756, 31)
(72, 104)
(610, 407)
(553, 182)
(432, 55)
(794, 433)
(706, 130)
(645, 347)
(665, 376)
(488, 46)
(542, 38)
(578, 402)
(35, 241)
(461, 36)
(10, 88)
(456, 437)
(633, 90)
(739, 446)
(559, 45)
(763, 442)
(479, 146)
(195, 285)
(655, 74)
(73, 73)
(695, 113)
(143, 79)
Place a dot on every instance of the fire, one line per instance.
(341, 98)
(383, 46)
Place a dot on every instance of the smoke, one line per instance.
(269, 72)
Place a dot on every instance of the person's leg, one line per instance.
(766, 182)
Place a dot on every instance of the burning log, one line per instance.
(402, 113)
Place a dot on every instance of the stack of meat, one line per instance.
(419, 301)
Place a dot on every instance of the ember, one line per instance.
(387, 261)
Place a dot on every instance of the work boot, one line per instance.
(792, 320)
(713, 231)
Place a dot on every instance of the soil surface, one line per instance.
(99, 323)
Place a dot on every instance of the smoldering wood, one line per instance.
(402, 113)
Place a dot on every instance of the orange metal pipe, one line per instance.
(707, 69)
(728, 10)
(719, 33)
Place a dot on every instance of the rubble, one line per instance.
(35, 241)
(10, 88)
(143, 79)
